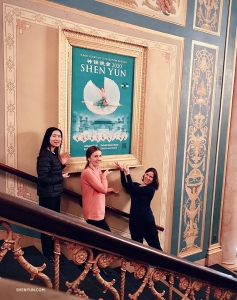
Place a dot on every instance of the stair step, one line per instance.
(159, 286)
(10, 268)
(224, 270)
(92, 288)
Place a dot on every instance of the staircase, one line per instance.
(69, 272)
(157, 274)
(11, 269)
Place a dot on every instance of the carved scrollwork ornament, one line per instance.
(34, 271)
(220, 294)
(140, 270)
(8, 242)
(158, 274)
(80, 253)
(184, 283)
(105, 259)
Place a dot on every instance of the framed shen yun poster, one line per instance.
(101, 98)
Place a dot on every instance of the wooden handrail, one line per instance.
(66, 227)
(67, 192)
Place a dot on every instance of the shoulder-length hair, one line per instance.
(155, 181)
(46, 140)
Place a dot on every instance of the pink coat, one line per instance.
(94, 186)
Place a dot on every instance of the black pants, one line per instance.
(100, 224)
(47, 243)
(145, 230)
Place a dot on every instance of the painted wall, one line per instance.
(189, 82)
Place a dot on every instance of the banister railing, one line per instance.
(67, 192)
(31, 215)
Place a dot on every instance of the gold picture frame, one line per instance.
(71, 43)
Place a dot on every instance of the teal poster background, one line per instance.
(101, 102)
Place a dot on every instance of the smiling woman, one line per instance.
(50, 179)
(94, 186)
(142, 222)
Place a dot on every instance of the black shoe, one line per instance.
(107, 274)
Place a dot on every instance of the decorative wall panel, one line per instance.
(169, 11)
(207, 16)
(197, 148)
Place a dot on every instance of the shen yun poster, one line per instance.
(101, 102)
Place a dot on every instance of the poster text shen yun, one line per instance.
(101, 102)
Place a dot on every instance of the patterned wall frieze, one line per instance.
(171, 11)
(197, 148)
(207, 16)
(18, 20)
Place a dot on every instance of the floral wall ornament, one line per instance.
(23, 192)
(21, 25)
(173, 11)
(208, 15)
(166, 7)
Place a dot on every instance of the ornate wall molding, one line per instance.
(197, 148)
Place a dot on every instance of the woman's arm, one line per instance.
(124, 181)
(44, 167)
(101, 186)
(145, 190)
(122, 174)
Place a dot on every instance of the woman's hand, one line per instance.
(64, 157)
(112, 190)
(126, 169)
(119, 166)
(66, 175)
(107, 172)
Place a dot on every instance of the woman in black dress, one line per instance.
(141, 222)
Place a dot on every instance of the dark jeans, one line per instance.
(100, 224)
(47, 243)
(145, 230)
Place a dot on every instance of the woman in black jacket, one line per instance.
(141, 222)
(50, 179)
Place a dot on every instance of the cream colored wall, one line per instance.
(37, 91)
(37, 106)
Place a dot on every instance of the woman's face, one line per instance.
(95, 158)
(148, 178)
(55, 139)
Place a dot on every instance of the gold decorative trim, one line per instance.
(68, 39)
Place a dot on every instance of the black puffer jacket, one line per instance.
(50, 178)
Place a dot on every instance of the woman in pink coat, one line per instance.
(94, 186)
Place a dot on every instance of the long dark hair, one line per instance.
(89, 152)
(155, 181)
(46, 142)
